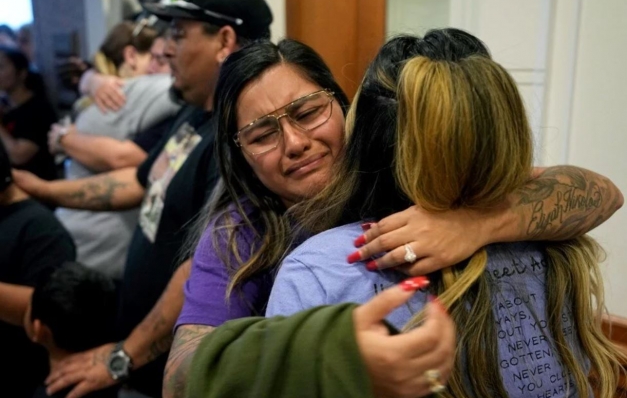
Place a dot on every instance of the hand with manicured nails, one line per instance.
(439, 239)
(397, 364)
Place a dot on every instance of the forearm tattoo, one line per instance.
(565, 202)
(96, 194)
(186, 340)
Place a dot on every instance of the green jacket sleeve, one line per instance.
(310, 354)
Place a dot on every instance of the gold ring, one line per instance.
(433, 377)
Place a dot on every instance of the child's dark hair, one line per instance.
(78, 304)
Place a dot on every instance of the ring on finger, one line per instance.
(410, 255)
(433, 377)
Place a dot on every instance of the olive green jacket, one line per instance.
(310, 354)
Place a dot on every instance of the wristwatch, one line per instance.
(62, 133)
(120, 363)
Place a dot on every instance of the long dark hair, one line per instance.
(367, 188)
(33, 82)
(238, 180)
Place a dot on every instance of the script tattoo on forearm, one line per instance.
(566, 202)
(97, 194)
(186, 340)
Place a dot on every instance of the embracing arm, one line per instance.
(116, 190)
(186, 340)
(559, 203)
(101, 153)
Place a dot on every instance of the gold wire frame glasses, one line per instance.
(265, 133)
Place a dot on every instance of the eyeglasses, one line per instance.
(160, 59)
(306, 113)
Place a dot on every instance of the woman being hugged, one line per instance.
(455, 131)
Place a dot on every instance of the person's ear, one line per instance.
(130, 56)
(228, 42)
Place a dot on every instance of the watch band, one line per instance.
(62, 133)
(118, 354)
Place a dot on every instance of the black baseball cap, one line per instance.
(249, 18)
(5, 169)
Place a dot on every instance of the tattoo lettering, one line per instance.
(569, 201)
(565, 202)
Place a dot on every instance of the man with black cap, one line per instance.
(32, 242)
(171, 185)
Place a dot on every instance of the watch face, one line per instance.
(118, 364)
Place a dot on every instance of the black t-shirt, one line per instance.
(179, 174)
(32, 241)
(31, 121)
(150, 137)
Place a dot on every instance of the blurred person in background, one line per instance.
(27, 115)
(100, 142)
(32, 242)
(26, 43)
(171, 185)
(7, 36)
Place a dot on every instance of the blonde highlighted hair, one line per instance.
(463, 141)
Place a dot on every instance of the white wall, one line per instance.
(278, 26)
(598, 130)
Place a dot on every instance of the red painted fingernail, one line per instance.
(366, 226)
(434, 300)
(415, 283)
(360, 241)
(371, 265)
(354, 257)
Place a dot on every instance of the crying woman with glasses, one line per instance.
(281, 135)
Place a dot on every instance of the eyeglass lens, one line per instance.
(306, 114)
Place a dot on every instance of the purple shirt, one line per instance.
(205, 290)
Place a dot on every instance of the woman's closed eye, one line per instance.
(308, 113)
(263, 137)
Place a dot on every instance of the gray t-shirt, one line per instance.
(317, 273)
(102, 238)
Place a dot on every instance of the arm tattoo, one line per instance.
(161, 345)
(97, 194)
(186, 340)
(565, 202)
